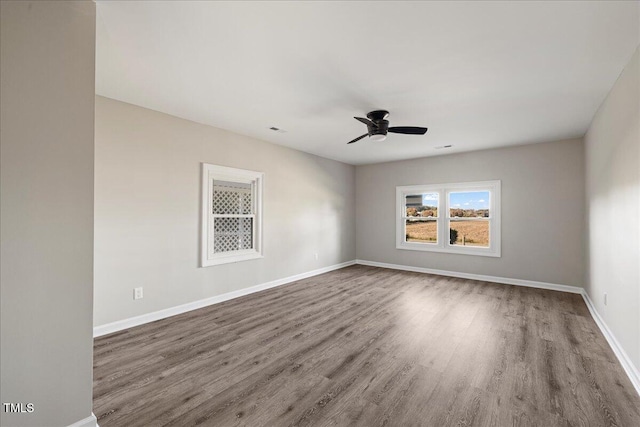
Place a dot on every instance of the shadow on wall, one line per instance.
(306, 203)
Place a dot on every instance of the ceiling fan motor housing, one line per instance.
(379, 117)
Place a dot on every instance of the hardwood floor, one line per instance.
(370, 347)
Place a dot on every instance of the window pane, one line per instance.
(232, 234)
(469, 233)
(421, 231)
(231, 198)
(469, 204)
(422, 205)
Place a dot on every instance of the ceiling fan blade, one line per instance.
(358, 138)
(410, 130)
(366, 122)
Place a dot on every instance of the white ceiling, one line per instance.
(477, 74)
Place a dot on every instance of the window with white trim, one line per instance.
(461, 218)
(231, 215)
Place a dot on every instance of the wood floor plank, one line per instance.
(367, 346)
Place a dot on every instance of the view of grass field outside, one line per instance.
(470, 207)
(467, 211)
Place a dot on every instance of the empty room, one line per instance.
(320, 213)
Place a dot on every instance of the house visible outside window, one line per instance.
(232, 215)
(459, 218)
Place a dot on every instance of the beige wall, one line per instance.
(148, 211)
(542, 215)
(47, 85)
(613, 205)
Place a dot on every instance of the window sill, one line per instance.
(460, 250)
(228, 259)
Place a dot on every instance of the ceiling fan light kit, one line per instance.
(378, 126)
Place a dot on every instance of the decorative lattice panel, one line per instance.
(232, 234)
(232, 199)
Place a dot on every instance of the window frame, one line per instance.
(443, 220)
(211, 173)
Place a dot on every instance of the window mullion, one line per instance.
(443, 209)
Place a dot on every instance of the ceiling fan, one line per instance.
(378, 126)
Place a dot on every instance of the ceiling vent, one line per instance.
(443, 146)
(275, 129)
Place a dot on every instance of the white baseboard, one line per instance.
(172, 311)
(90, 421)
(494, 279)
(625, 361)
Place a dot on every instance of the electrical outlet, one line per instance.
(316, 255)
(137, 293)
(605, 298)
